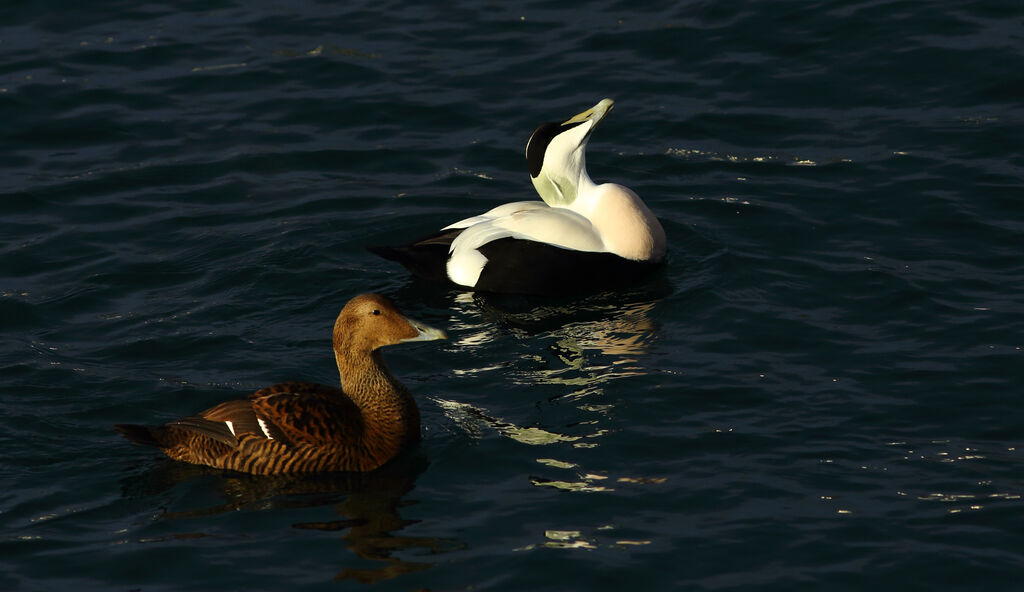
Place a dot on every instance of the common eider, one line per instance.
(582, 235)
(296, 427)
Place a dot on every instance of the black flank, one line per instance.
(518, 266)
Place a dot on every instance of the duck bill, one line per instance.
(424, 332)
(595, 113)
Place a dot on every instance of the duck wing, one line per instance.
(522, 252)
(427, 257)
(292, 413)
(560, 227)
(227, 422)
(305, 413)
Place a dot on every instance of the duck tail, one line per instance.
(145, 435)
(426, 261)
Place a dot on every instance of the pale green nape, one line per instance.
(555, 192)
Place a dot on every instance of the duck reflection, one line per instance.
(591, 340)
(367, 505)
(581, 344)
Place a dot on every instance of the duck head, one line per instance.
(371, 321)
(556, 155)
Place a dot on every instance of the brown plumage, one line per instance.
(297, 427)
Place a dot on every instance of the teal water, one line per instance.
(820, 390)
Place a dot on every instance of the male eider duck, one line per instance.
(296, 427)
(582, 236)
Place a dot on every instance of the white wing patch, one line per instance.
(530, 220)
(555, 226)
(464, 266)
(498, 212)
(231, 427)
(263, 426)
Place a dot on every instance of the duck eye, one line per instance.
(376, 312)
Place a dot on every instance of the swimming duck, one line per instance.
(581, 236)
(296, 427)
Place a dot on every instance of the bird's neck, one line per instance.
(562, 188)
(387, 406)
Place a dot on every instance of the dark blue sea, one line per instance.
(821, 390)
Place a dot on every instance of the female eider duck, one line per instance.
(296, 427)
(582, 236)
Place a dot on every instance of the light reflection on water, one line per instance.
(589, 343)
(472, 419)
(580, 335)
(594, 341)
(574, 539)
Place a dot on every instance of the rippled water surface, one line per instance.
(821, 389)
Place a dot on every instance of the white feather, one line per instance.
(555, 226)
(498, 212)
(263, 426)
(231, 427)
(465, 265)
(531, 220)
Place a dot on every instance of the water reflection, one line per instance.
(575, 539)
(573, 346)
(581, 345)
(587, 343)
(367, 506)
(471, 418)
(596, 339)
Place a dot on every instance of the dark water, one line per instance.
(821, 391)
